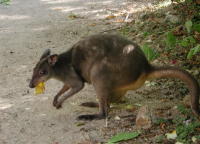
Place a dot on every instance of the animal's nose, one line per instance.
(31, 85)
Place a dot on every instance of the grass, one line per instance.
(181, 47)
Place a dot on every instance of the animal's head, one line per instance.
(43, 69)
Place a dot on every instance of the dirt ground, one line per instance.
(27, 28)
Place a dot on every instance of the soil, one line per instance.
(27, 28)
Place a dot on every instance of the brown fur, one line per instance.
(112, 64)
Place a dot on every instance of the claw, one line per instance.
(58, 105)
(55, 103)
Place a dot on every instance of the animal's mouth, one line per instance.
(33, 84)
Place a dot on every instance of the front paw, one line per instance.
(58, 105)
(55, 102)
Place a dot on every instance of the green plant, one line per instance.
(150, 53)
(196, 27)
(170, 40)
(145, 34)
(185, 130)
(159, 139)
(193, 51)
(182, 109)
(123, 136)
(6, 2)
(179, 120)
(188, 25)
(158, 121)
(187, 41)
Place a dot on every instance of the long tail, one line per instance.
(188, 79)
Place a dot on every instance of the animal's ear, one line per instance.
(53, 59)
(46, 53)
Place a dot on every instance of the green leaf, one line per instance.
(123, 136)
(187, 41)
(188, 25)
(145, 34)
(6, 2)
(196, 27)
(150, 53)
(170, 40)
(184, 131)
(184, 43)
(193, 51)
(182, 109)
(190, 54)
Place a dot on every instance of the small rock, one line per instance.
(196, 72)
(186, 100)
(172, 18)
(117, 118)
(171, 135)
(144, 119)
(144, 16)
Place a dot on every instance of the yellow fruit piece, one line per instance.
(39, 89)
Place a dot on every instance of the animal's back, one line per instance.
(115, 53)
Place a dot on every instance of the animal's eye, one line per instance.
(42, 72)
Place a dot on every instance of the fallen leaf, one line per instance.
(178, 143)
(171, 135)
(163, 126)
(117, 118)
(110, 17)
(93, 24)
(130, 108)
(174, 61)
(39, 89)
(80, 124)
(119, 20)
(179, 30)
(73, 16)
(58, 8)
(194, 139)
(123, 136)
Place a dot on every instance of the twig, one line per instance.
(111, 29)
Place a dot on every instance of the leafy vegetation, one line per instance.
(6, 2)
(123, 137)
(150, 53)
(185, 130)
(196, 27)
(170, 40)
(172, 43)
(188, 25)
(193, 51)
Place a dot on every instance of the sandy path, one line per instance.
(27, 28)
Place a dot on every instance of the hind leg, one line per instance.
(103, 90)
(103, 107)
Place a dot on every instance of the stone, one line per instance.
(172, 18)
(144, 118)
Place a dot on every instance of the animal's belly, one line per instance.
(133, 85)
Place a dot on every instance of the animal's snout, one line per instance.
(31, 84)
